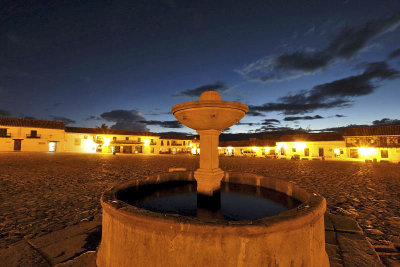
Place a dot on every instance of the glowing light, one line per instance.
(146, 142)
(106, 142)
(230, 149)
(90, 146)
(219, 147)
(367, 151)
(336, 151)
(194, 150)
(299, 145)
(280, 145)
(267, 149)
(254, 148)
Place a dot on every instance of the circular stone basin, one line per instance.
(135, 236)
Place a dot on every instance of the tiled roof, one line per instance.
(177, 137)
(373, 130)
(247, 143)
(20, 122)
(311, 137)
(106, 131)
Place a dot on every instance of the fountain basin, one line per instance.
(138, 237)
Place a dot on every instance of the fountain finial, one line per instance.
(210, 95)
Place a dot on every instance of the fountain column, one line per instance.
(209, 116)
(209, 175)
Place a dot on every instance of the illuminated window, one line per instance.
(384, 154)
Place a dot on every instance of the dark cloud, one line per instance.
(92, 117)
(164, 124)
(196, 92)
(269, 122)
(333, 94)
(63, 119)
(386, 121)
(4, 113)
(347, 44)
(254, 113)
(126, 120)
(339, 116)
(297, 118)
(394, 53)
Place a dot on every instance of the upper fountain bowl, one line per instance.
(210, 112)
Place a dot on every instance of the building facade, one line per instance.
(375, 143)
(378, 143)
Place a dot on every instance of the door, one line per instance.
(52, 146)
(17, 144)
(306, 152)
(321, 152)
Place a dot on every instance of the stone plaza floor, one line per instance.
(46, 192)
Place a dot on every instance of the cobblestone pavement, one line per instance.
(45, 192)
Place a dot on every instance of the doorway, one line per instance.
(17, 144)
(52, 146)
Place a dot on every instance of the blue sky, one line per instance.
(126, 63)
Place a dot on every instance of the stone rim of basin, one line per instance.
(313, 205)
(210, 99)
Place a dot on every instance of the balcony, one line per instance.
(33, 136)
(5, 135)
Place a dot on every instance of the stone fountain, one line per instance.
(209, 116)
(134, 234)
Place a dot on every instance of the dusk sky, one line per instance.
(308, 64)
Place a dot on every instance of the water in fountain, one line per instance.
(235, 202)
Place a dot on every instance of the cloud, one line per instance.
(386, 121)
(196, 92)
(126, 119)
(164, 124)
(296, 118)
(63, 119)
(4, 113)
(92, 117)
(346, 45)
(333, 94)
(255, 114)
(270, 122)
(395, 53)
(339, 116)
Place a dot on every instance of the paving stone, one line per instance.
(357, 251)
(21, 254)
(333, 252)
(87, 259)
(345, 224)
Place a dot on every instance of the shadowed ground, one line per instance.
(45, 192)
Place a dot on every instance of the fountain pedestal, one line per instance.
(209, 175)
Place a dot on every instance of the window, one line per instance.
(168, 143)
(184, 143)
(85, 137)
(384, 154)
(3, 132)
(33, 133)
(138, 139)
(162, 142)
(294, 149)
(126, 138)
(306, 152)
(114, 138)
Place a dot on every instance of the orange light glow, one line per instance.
(367, 151)
(299, 145)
